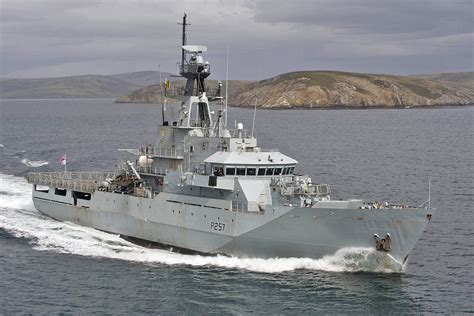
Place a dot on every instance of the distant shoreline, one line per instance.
(314, 89)
(335, 107)
(375, 107)
(53, 99)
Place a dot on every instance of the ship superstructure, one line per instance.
(206, 188)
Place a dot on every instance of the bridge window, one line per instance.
(241, 171)
(59, 191)
(218, 171)
(41, 188)
(230, 171)
(269, 172)
(261, 171)
(81, 195)
(285, 171)
(290, 170)
(251, 171)
(277, 171)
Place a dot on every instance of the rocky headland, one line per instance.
(332, 89)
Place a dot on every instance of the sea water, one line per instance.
(385, 155)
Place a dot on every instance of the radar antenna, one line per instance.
(194, 69)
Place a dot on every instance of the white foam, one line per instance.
(18, 217)
(15, 193)
(34, 164)
(1, 146)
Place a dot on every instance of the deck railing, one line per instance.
(192, 68)
(78, 181)
(163, 152)
(151, 170)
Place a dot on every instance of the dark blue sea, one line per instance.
(48, 267)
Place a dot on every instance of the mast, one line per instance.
(194, 69)
(195, 110)
(226, 85)
(163, 100)
(256, 101)
(184, 40)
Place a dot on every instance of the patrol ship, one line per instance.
(205, 188)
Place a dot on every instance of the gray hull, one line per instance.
(204, 227)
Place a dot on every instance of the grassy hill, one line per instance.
(88, 86)
(464, 78)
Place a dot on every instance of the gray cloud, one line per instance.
(60, 38)
(374, 16)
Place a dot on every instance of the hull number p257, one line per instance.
(217, 226)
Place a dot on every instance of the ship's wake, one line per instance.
(34, 164)
(19, 218)
(20, 155)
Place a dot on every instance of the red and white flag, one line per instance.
(63, 160)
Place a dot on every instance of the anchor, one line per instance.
(383, 244)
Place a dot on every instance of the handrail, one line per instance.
(79, 181)
(234, 132)
(194, 68)
(94, 175)
(151, 170)
(164, 152)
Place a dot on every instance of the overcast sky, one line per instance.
(60, 38)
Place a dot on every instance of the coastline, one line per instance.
(276, 108)
(336, 107)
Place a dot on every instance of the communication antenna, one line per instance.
(429, 193)
(226, 84)
(163, 99)
(256, 101)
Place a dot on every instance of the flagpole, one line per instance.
(64, 161)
